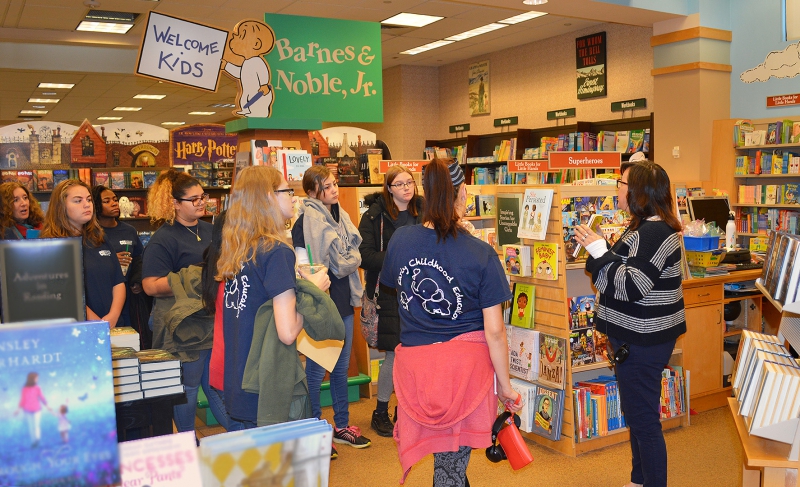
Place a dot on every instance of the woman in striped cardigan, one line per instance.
(640, 307)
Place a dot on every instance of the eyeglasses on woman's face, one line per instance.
(289, 191)
(407, 184)
(620, 182)
(197, 200)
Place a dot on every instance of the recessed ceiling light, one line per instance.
(150, 97)
(426, 47)
(56, 86)
(127, 109)
(109, 118)
(33, 112)
(411, 20)
(534, 2)
(43, 100)
(172, 123)
(108, 22)
(522, 17)
(476, 32)
(202, 113)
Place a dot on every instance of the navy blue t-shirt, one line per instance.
(123, 238)
(340, 287)
(174, 247)
(442, 288)
(271, 274)
(101, 272)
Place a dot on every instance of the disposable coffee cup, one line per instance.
(311, 268)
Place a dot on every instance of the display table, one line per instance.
(765, 461)
(146, 417)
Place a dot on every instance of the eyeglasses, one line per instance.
(619, 181)
(407, 184)
(290, 191)
(197, 200)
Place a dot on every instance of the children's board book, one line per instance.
(523, 304)
(294, 453)
(59, 422)
(545, 261)
(547, 405)
(517, 260)
(161, 461)
(535, 213)
(294, 163)
(523, 358)
(552, 356)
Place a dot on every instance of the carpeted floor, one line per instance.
(705, 454)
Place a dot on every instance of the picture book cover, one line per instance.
(294, 164)
(523, 304)
(545, 261)
(137, 179)
(212, 206)
(161, 461)
(149, 177)
(60, 175)
(348, 170)
(535, 213)
(548, 411)
(517, 260)
(526, 390)
(102, 178)
(581, 311)
(471, 207)
(581, 346)
(26, 179)
(44, 180)
(139, 206)
(117, 180)
(522, 356)
(508, 218)
(552, 356)
(58, 405)
(600, 346)
(9, 176)
(486, 205)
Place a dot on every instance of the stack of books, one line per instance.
(124, 336)
(145, 374)
(781, 276)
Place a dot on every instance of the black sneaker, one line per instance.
(351, 436)
(382, 424)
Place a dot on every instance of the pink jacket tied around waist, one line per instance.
(445, 393)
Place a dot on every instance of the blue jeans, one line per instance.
(639, 379)
(195, 374)
(315, 373)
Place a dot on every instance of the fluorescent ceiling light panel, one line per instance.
(172, 123)
(127, 109)
(33, 112)
(38, 106)
(109, 118)
(56, 86)
(109, 22)
(43, 100)
(522, 17)
(476, 32)
(411, 20)
(150, 97)
(202, 113)
(105, 27)
(426, 47)
(534, 2)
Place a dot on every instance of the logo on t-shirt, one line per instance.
(105, 253)
(428, 286)
(236, 294)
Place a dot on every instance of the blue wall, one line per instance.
(757, 30)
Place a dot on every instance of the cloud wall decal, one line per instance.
(780, 64)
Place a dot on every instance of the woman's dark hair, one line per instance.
(649, 194)
(210, 258)
(314, 180)
(97, 200)
(388, 200)
(440, 199)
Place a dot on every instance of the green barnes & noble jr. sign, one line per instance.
(326, 69)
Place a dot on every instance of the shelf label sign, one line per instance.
(464, 127)
(413, 166)
(529, 165)
(505, 121)
(584, 160)
(182, 52)
(563, 113)
(783, 100)
(621, 106)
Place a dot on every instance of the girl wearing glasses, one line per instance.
(325, 231)
(71, 214)
(255, 263)
(178, 200)
(398, 205)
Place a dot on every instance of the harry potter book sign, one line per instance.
(590, 53)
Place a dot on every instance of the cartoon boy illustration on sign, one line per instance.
(244, 60)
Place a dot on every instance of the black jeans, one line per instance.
(639, 379)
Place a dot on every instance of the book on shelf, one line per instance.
(123, 357)
(470, 205)
(545, 261)
(486, 204)
(125, 371)
(581, 346)
(161, 461)
(163, 391)
(552, 357)
(139, 206)
(517, 260)
(160, 374)
(124, 336)
(60, 423)
(154, 360)
(508, 219)
(526, 391)
(523, 305)
(294, 453)
(778, 394)
(535, 213)
(126, 388)
(149, 177)
(754, 370)
(294, 163)
(158, 383)
(44, 179)
(547, 408)
(117, 180)
(581, 311)
(523, 356)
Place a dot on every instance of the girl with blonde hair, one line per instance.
(257, 264)
(71, 214)
(20, 212)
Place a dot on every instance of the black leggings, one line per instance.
(450, 468)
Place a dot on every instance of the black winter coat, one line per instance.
(372, 262)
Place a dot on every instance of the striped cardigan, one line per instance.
(639, 286)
